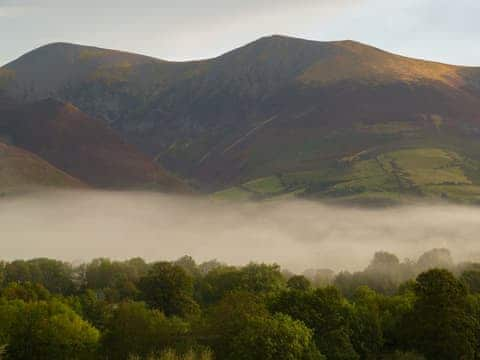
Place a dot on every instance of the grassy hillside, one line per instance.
(21, 171)
(391, 177)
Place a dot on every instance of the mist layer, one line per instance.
(79, 226)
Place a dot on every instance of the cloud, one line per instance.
(180, 30)
(12, 11)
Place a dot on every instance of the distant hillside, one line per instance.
(274, 108)
(58, 65)
(22, 171)
(81, 146)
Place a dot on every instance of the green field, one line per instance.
(389, 177)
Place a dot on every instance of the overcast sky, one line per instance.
(442, 30)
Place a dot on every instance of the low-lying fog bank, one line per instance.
(79, 226)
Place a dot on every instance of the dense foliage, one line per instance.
(392, 310)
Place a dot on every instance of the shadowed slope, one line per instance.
(21, 171)
(82, 146)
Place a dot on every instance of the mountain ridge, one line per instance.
(278, 105)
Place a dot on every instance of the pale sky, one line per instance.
(441, 30)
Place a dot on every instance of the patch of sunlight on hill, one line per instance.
(6, 76)
(387, 178)
(430, 166)
(358, 62)
(112, 74)
(233, 194)
(269, 185)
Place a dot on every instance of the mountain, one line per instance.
(338, 120)
(81, 146)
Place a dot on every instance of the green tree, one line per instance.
(25, 291)
(393, 310)
(298, 282)
(55, 276)
(327, 313)
(399, 355)
(228, 318)
(133, 329)
(116, 279)
(50, 330)
(274, 338)
(94, 309)
(169, 288)
(241, 327)
(255, 278)
(188, 264)
(472, 279)
(367, 334)
(440, 325)
(10, 311)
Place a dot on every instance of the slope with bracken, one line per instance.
(22, 171)
(280, 108)
(81, 146)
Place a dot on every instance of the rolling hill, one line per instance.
(81, 146)
(280, 116)
(22, 171)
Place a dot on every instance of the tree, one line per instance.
(189, 265)
(436, 258)
(384, 274)
(320, 277)
(261, 278)
(170, 354)
(25, 291)
(10, 311)
(94, 309)
(367, 334)
(398, 355)
(274, 338)
(255, 278)
(133, 329)
(116, 279)
(50, 330)
(298, 282)
(169, 288)
(393, 310)
(327, 313)
(472, 279)
(241, 327)
(55, 276)
(207, 266)
(218, 282)
(440, 326)
(228, 318)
